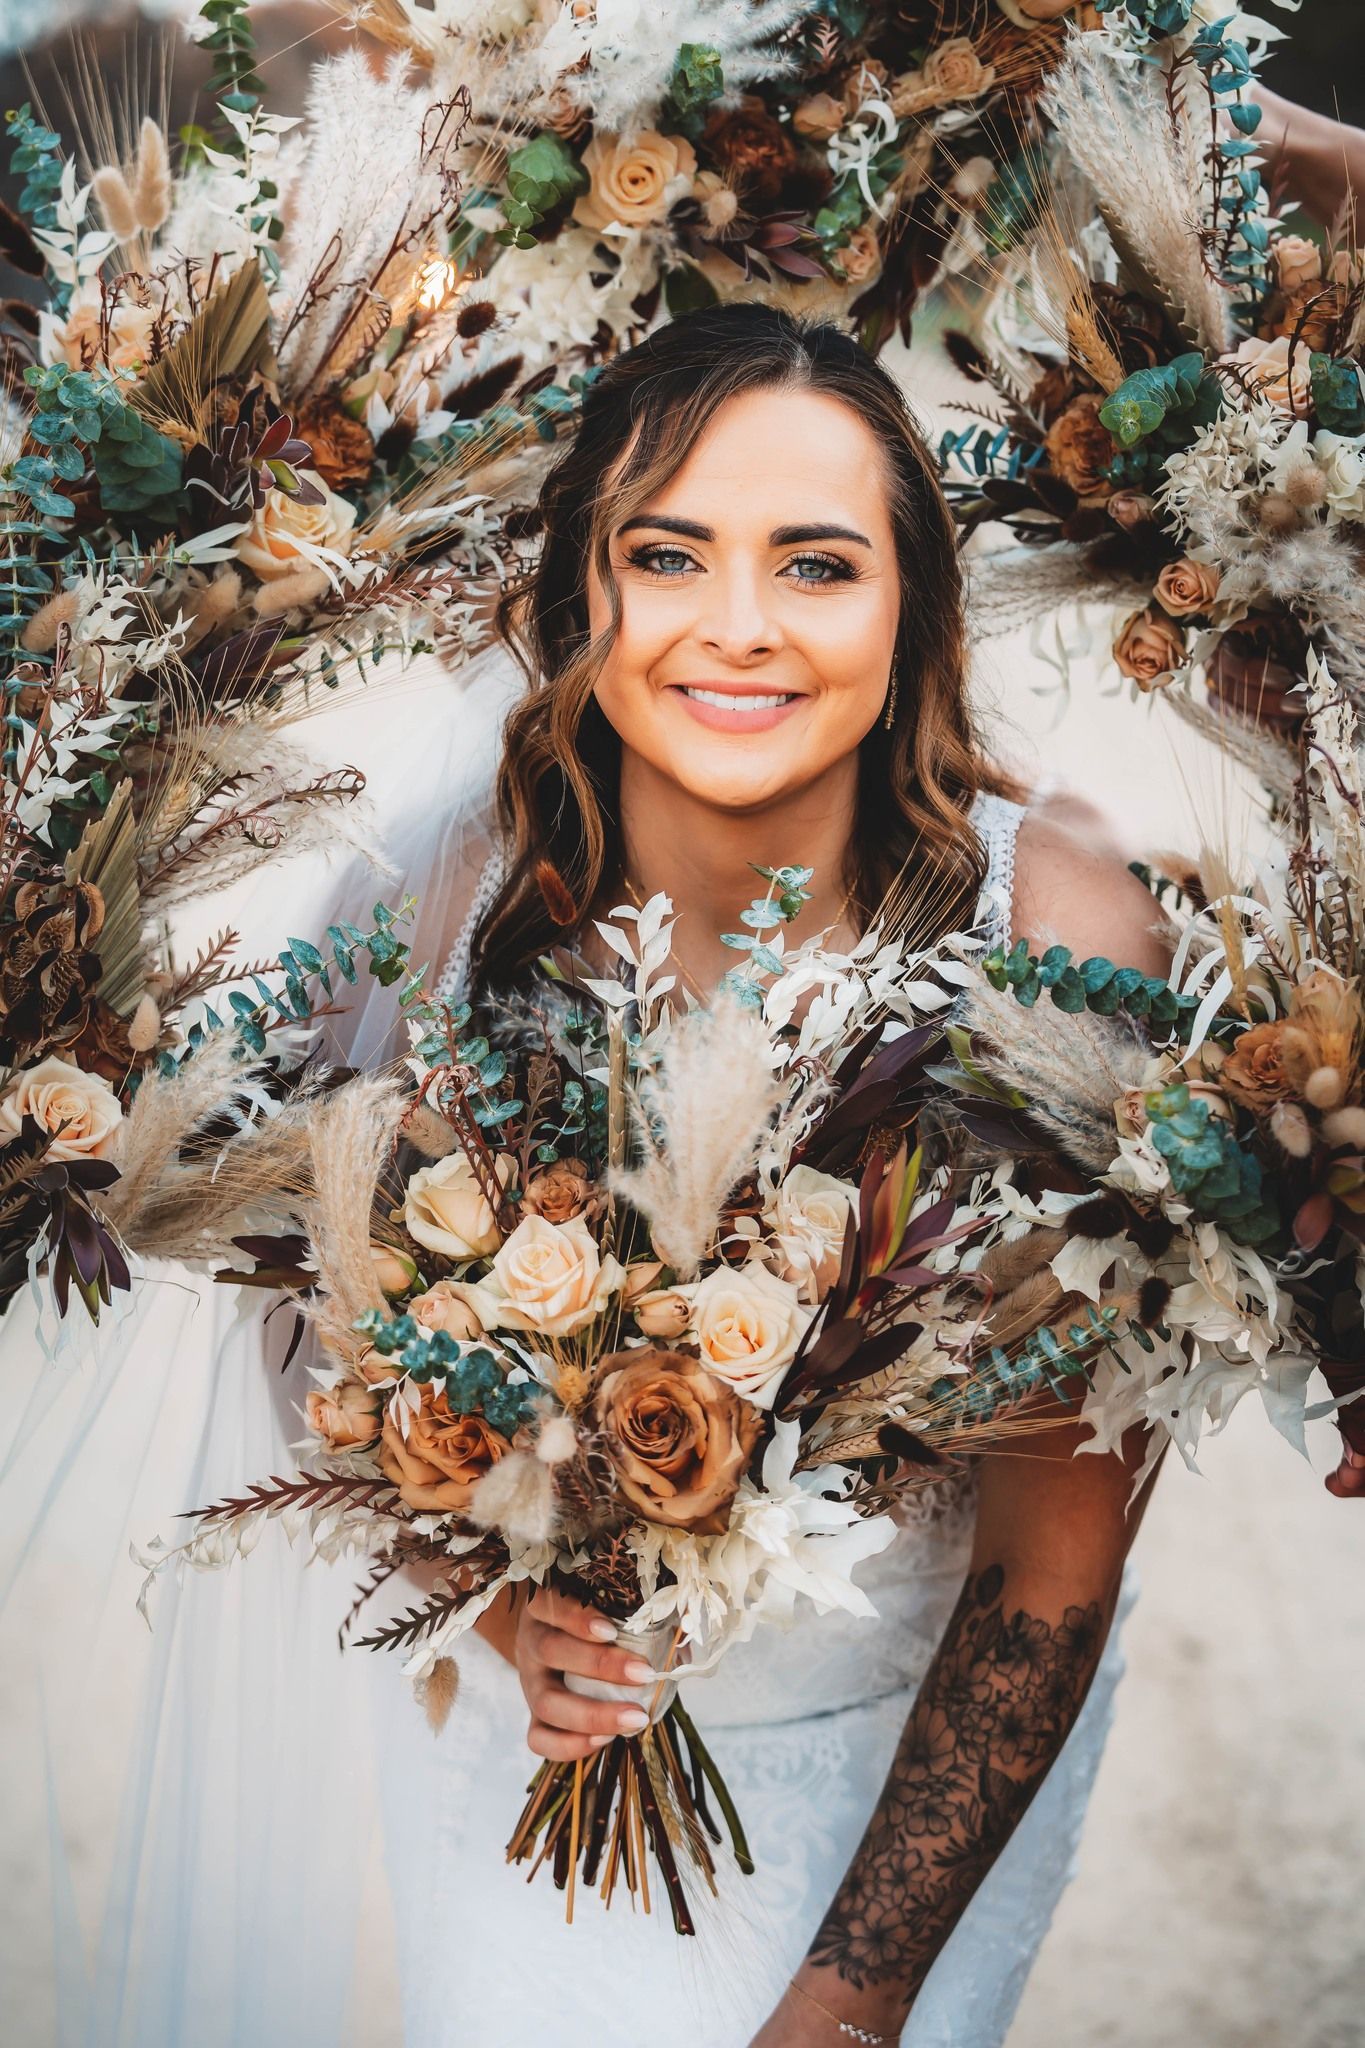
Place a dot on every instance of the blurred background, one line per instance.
(1217, 1900)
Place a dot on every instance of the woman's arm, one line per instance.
(1019, 1653)
(997, 1703)
(1319, 162)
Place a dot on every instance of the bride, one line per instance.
(745, 643)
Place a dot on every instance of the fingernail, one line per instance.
(638, 1672)
(600, 1741)
(632, 1720)
(604, 1631)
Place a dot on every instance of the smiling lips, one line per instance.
(735, 707)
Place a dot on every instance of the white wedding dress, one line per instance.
(803, 1725)
(189, 1812)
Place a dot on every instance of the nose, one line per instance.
(737, 618)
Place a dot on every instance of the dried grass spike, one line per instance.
(115, 202)
(152, 186)
(437, 1691)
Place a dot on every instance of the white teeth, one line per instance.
(736, 702)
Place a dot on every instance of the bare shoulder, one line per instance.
(1073, 887)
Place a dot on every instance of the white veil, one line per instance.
(190, 1813)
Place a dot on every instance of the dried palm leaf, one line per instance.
(107, 857)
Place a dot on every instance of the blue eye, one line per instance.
(654, 554)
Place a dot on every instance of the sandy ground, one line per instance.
(1218, 1901)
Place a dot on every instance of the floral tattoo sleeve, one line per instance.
(996, 1705)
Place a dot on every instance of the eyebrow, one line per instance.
(780, 537)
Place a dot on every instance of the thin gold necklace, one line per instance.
(684, 976)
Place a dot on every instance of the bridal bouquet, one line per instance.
(1179, 416)
(669, 1309)
(830, 156)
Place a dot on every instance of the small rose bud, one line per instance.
(1130, 509)
(640, 1277)
(394, 1271)
(663, 1312)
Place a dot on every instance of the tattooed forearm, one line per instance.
(995, 1707)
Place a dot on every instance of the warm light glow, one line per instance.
(436, 282)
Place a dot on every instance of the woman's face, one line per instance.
(760, 598)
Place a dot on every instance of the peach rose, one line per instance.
(1186, 587)
(861, 257)
(445, 1207)
(443, 1456)
(118, 336)
(548, 1277)
(59, 1097)
(677, 1438)
(345, 1415)
(282, 531)
(443, 1307)
(954, 71)
(663, 1312)
(1080, 447)
(819, 117)
(559, 1193)
(1266, 368)
(1149, 649)
(634, 182)
(807, 1221)
(748, 1323)
(1297, 262)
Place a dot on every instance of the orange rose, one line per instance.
(1080, 448)
(1297, 261)
(443, 1307)
(677, 1438)
(345, 1416)
(1186, 587)
(561, 1192)
(443, 1456)
(1149, 649)
(1253, 1072)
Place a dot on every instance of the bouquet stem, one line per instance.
(644, 1796)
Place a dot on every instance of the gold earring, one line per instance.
(890, 719)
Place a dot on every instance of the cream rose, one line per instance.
(445, 1208)
(634, 182)
(1186, 587)
(747, 1324)
(548, 1277)
(806, 1221)
(1266, 366)
(1297, 262)
(345, 1416)
(59, 1097)
(394, 1271)
(1342, 468)
(282, 532)
(117, 336)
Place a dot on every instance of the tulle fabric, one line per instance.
(190, 1810)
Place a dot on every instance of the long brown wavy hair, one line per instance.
(559, 779)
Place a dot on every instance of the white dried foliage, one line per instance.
(364, 174)
(631, 47)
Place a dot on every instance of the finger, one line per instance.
(559, 1651)
(572, 1616)
(576, 1714)
(560, 1748)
